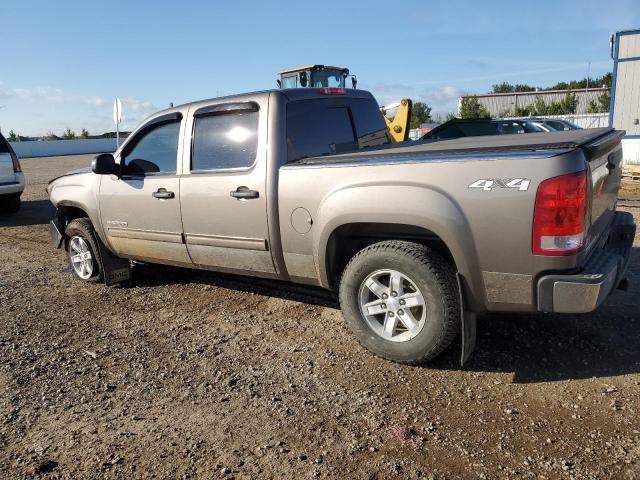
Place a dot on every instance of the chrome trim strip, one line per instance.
(242, 243)
(135, 234)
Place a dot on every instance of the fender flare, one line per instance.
(411, 204)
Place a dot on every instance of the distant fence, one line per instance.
(53, 148)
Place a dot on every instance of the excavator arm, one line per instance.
(398, 125)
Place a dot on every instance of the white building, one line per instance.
(504, 104)
(624, 113)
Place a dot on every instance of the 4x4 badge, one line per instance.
(488, 184)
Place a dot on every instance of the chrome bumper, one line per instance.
(603, 272)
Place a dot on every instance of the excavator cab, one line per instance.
(315, 76)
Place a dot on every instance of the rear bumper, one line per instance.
(14, 187)
(585, 291)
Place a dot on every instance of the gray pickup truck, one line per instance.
(304, 185)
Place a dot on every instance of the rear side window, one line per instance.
(225, 140)
(329, 126)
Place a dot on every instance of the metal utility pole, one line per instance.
(588, 73)
(117, 118)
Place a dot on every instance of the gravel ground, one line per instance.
(194, 374)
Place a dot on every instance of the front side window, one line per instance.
(156, 151)
(225, 140)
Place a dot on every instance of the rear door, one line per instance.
(140, 210)
(223, 189)
(7, 174)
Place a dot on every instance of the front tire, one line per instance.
(82, 250)
(401, 301)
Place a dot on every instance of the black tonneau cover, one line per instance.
(594, 139)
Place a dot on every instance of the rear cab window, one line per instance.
(327, 126)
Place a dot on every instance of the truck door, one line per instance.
(140, 210)
(223, 189)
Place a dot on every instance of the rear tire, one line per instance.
(401, 301)
(82, 250)
(10, 204)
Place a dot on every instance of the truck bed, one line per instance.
(593, 139)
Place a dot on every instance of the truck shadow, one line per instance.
(156, 275)
(32, 212)
(534, 347)
(554, 347)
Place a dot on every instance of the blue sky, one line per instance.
(63, 62)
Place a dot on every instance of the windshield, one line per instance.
(327, 78)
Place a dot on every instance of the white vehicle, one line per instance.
(11, 178)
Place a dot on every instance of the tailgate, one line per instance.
(604, 156)
(6, 169)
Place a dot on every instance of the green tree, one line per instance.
(68, 134)
(521, 112)
(592, 107)
(84, 133)
(520, 87)
(569, 104)
(51, 136)
(504, 87)
(601, 105)
(471, 108)
(12, 136)
(420, 113)
(604, 102)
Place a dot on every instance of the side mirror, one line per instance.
(103, 164)
(279, 83)
(354, 81)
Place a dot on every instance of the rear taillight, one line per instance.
(332, 91)
(16, 163)
(559, 215)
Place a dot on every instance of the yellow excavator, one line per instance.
(318, 76)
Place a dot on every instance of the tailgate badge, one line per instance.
(488, 184)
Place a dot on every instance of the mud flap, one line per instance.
(116, 270)
(468, 327)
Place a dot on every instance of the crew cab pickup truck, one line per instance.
(304, 185)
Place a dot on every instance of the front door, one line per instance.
(140, 210)
(223, 189)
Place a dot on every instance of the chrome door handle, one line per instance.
(244, 192)
(162, 193)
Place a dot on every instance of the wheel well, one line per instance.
(346, 240)
(67, 213)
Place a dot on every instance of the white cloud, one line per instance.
(442, 100)
(37, 110)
